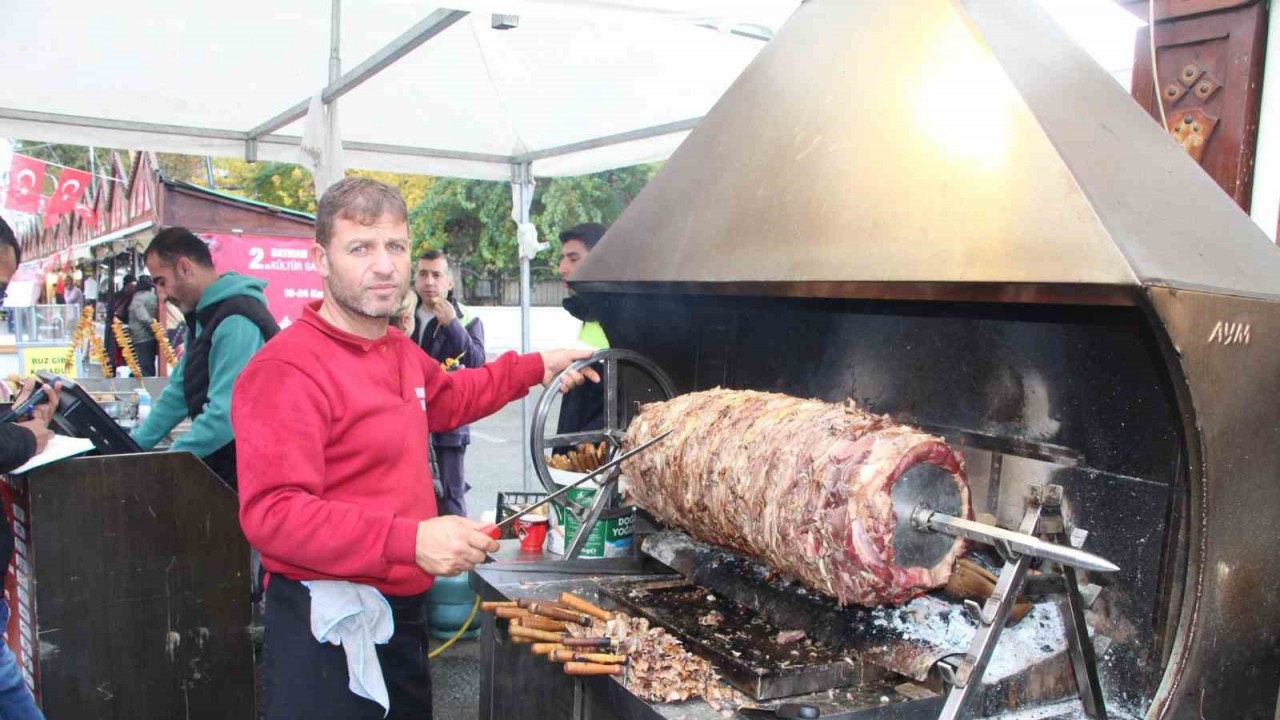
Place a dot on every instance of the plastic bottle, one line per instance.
(144, 404)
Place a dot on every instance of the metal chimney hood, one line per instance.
(930, 149)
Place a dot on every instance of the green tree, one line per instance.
(471, 219)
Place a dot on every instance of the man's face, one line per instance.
(366, 267)
(174, 281)
(432, 280)
(572, 252)
(8, 263)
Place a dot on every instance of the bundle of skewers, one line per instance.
(162, 342)
(126, 347)
(583, 459)
(589, 640)
(99, 355)
(83, 331)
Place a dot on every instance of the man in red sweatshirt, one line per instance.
(332, 419)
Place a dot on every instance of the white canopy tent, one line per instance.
(578, 86)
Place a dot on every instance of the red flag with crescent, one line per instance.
(86, 213)
(71, 187)
(26, 180)
(50, 220)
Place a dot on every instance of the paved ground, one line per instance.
(494, 459)
(455, 681)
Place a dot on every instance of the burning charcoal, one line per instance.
(786, 637)
(822, 514)
(711, 619)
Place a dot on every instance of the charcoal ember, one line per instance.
(801, 485)
(786, 637)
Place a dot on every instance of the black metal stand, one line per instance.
(1043, 517)
(608, 364)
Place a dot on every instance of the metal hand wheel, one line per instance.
(610, 364)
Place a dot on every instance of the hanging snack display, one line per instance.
(162, 342)
(126, 347)
(99, 355)
(84, 329)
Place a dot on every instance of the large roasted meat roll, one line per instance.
(803, 485)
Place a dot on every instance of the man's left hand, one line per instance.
(553, 361)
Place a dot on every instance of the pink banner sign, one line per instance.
(292, 279)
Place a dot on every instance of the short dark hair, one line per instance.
(433, 255)
(587, 233)
(8, 238)
(130, 278)
(175, 242)
(358, 199)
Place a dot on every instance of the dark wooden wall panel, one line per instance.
(1210, 55)
(199, 212)
(141, 582)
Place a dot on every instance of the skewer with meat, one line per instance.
(803, 485)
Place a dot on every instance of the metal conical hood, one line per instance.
(893, 143)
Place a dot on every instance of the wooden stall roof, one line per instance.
(136, 203)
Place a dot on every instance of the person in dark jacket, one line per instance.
(119, 309)
(455, 340)
(227, 322)
(142, 310)
(582, 408)
(19, 442)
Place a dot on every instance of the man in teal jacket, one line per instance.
(227, 322)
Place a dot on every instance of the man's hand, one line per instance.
(443, 310)
(41, 431)
(450, 545)
(553, 361)
(44, 411)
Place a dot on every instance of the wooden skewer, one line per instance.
(581, 605)
(601, 658)
(591, 642)
(538, 635)
(508, 613)
(491, 606)
(558, 613)
(546, 648)
(577, 668)
(537, 622)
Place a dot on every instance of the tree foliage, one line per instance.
(471, 219)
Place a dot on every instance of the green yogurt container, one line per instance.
(611, 537)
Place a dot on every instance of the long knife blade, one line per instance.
(927, 519)
(590, 476)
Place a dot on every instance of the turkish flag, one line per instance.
(50, 220)
(26, 179)
(86, 213)
(71, 187)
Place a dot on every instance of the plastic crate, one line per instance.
(509, 503)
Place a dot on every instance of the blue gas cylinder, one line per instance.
(449, 602)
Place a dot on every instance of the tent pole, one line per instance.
(522, 180)
(335, 41)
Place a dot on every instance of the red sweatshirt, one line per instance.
(331, 443)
